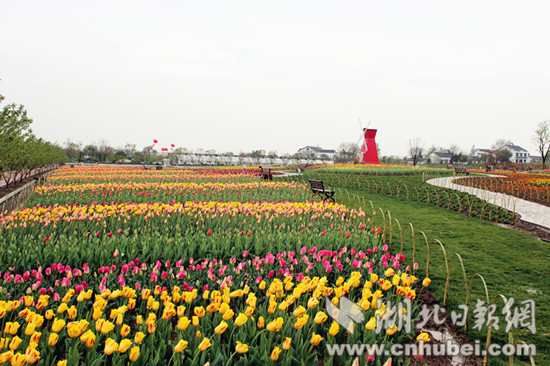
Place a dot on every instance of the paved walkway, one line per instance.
(530, 212)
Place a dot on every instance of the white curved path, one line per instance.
(530, 212)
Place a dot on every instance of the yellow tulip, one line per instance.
(29, 329)
(124, 330)
(423, 337)
(107, 327)
(52, 341)
(205, 344)
(241, 348)
(49, 314)
(392, 330)
(35, 337)
(18, 359)
(57, 325)
(426, 282)
(62, 308)
(371, 324)
(110, 346)
(286, 343)
(316, 339)
(180, 346)
(334, 329)
(312, 302)
(151, 326)
(241, 319)
(228, 314)
(180, 310)
(275, 325)
(32, 355)
(138, 338)
(275, 353)
(88, 338)
(124, 345)
(15, 343)
(62, 363)
(320, 317)
(261, 322)
(183, 323)
(301, 321)
(199, 311)
(71, 312)
(134, 353)
(221, 328)
(299, 311)
(6, 357)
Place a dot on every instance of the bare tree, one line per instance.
(500, 143)
(130, 149)
(347, 152)
(416, 147)
(542, 140)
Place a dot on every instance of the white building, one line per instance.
(439, 157)
(519, 154)
(317, 152)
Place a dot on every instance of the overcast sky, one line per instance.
(278, 75)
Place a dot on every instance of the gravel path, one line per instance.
(530, 212)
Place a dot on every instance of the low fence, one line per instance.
(17, 198)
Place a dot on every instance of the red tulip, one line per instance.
(155, 141)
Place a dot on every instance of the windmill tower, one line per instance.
(369, 153)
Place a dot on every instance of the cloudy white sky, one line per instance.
(278, 75)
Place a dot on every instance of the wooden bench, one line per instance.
(459, 170)
(318, 188)
(265, 172)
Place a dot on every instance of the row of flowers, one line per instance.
(186, 312)
(137, 174)
(165, 191)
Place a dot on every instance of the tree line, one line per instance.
(23, 154)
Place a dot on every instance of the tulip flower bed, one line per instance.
(528, 186)
(185, 191)
(189, 282)
(380, 169)
(97, 174)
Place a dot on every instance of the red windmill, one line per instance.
(369, 153)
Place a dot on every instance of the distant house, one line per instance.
(478, 153)
(439, 157)
(519, 154)
(317, 152)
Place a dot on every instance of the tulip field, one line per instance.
(528, 186)
(118, 266)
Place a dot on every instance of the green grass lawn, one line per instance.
(513, 263)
